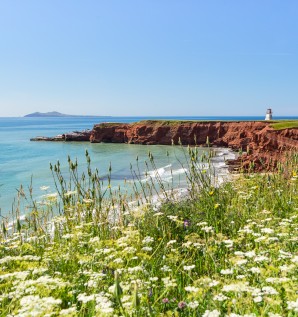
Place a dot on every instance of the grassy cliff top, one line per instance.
(279, 125)
(169, 122)
(276, 124)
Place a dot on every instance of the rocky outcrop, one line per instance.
(269, 150)
(111, 133)
(77, 136)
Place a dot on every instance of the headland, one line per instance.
(262, 144)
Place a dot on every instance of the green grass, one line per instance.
(280, 125)
(222, 251)
(174, 122)
(277, 125)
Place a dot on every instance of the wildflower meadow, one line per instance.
(219, 251)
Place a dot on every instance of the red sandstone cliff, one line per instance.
(265, 146)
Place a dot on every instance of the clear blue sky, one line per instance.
(149, 57)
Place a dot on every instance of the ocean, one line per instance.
(23, 162)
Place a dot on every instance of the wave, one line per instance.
(166, 173)
(218, 165)
(160, 171)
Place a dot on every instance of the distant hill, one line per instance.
(54, 114)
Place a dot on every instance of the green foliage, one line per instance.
(175, 122)
(280, 125)
(219, 251)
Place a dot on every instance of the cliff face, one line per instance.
(233, 134)
(265, 146)
(110, 133)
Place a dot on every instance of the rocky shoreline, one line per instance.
(262, 146)
(79, 136)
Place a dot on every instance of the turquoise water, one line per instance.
(21, 160)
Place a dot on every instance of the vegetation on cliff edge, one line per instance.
(279, 125)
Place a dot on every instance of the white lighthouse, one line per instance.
(268, 114)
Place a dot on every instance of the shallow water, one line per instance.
(21, 159)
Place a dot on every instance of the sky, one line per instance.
(149, 57)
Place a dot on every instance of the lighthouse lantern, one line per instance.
(268, 114)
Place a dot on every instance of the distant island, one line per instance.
(57, 114)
